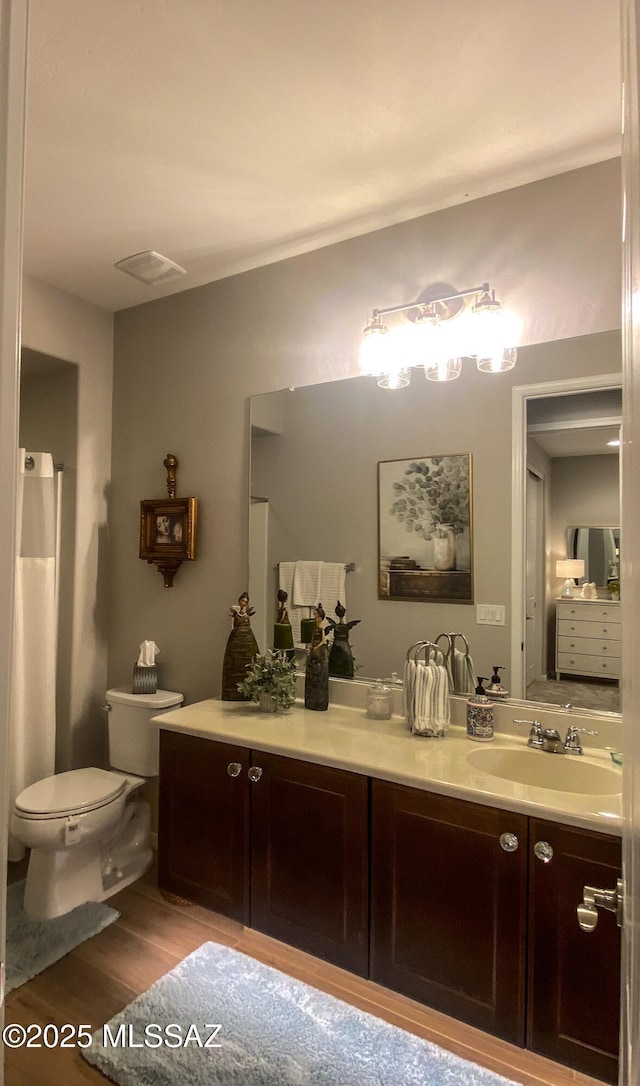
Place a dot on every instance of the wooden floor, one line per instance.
(101, 976)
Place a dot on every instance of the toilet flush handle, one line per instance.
(106, 708)
(71, 831)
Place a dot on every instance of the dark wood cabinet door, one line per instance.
(574, 976)
(448, 906)
(309, 840)
(203, 840)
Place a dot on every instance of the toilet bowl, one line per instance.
(88, 829)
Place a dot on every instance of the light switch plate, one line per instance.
(490, 614)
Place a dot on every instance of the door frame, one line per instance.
(630, 527)
(13, 70)
(521, 394)
(539, 626)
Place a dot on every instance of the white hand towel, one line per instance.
(423, 715)
(442, 707)
(332, 585)
(463, 673)
(306, 584)
(408, 691)
(296, 614)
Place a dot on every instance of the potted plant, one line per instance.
(271, 681)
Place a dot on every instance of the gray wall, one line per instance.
(584, 490)
(185, 365)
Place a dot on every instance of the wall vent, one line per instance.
(150, 267)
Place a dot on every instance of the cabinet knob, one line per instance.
(543, 851)
(255, 773)
(234, 769)
(509, 842)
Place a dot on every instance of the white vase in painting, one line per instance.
(444, 547)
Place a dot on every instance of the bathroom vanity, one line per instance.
(398, 859)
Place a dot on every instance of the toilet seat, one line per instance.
(75, 792)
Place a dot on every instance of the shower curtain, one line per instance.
(33, 699)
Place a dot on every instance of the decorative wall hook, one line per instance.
(168, 528)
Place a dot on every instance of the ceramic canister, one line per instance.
(480, 719)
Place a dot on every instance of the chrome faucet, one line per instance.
(548, 739)
(572, 744)
(535, 735)
(551, 741)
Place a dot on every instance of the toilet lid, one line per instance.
(77, 791)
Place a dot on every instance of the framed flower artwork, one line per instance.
(425, 546)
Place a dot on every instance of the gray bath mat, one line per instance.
(273, 1031)
(32, 945)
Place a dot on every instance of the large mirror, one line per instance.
(315, 453)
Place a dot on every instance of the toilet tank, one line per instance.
(133, 739)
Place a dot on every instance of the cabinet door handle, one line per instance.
(594, 899)
(234, 769)
(255, 773)
(543, 851)
(509, 842)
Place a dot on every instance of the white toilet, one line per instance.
(88, 829)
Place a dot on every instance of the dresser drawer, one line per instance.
(585, 611)
(581, 664)
(609, 631)
(589, 646)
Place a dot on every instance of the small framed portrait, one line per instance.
(168, 529)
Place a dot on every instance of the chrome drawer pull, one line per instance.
(509, 842)
(255, 773)
(234, 769)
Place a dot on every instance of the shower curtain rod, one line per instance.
(30, 464)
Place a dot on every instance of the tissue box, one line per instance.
(145, 680)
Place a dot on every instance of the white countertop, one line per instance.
(346, 739)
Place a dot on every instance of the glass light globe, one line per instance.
(432, 341)
(447, 369)
(397, 378)
(372, 355)
(495, 335)
(398, 356)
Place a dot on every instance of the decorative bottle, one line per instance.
(316, 679)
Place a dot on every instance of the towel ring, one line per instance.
(418, 646)
(450, 639)
(464, 640)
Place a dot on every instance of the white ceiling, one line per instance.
(580, 441)
(227, 134)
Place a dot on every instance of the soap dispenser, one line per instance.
(495, 688)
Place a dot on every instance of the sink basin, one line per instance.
(562, 772)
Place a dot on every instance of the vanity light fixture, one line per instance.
(440, 332)
(569, 568)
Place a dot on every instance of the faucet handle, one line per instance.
(535, 735)
(572, 744)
